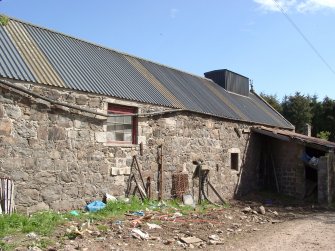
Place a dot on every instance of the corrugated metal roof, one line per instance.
(40, 66)
(12, 65)
(292, 136)
(35, 54)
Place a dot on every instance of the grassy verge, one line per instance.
(42, 223)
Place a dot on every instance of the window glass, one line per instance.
(121, 129)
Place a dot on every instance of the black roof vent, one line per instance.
(229, 80)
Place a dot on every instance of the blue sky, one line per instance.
(250, 37)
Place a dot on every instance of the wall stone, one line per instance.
(59, 157)
(290, 169)
(5, 127)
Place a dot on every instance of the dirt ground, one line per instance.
(315, 231)
(242, 226)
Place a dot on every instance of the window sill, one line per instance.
(127, 145)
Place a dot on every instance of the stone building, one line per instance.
(74, 114)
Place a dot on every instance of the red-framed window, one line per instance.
(121, 129)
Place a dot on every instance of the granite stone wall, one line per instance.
(289, 168)
(59, 158)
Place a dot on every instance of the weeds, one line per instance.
(3, 20)
(42, 223)
(4, 246)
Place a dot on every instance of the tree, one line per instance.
(273, 101)
(297, 110)
(328, 117)
(323, 135)
(317, 119)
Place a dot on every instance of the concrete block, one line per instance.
(127, 170)
(142, 139)
(114, 171)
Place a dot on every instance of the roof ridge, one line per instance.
(101, 46)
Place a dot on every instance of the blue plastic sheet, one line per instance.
(138, 213)
(95, 206)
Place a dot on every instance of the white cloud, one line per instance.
(315, 5)
(296, 5)
(173, 13)
(271, 5)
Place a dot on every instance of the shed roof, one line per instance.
(34, 54)
(295, 137)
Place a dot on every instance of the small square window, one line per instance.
(234, 161)
(123, 128)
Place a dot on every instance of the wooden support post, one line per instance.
(139, 170)
(275, 174)
(148, 188)
(200, 182)
(160, 173)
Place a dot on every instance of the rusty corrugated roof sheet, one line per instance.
(38, 55)
(292, 136)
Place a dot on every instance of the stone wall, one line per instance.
(289, 167)
(59, 157)
(326, 178)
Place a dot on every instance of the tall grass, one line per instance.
(42, 223)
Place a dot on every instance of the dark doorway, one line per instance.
(311, 174)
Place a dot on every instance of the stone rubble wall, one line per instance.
(59, 158)
(289, 167)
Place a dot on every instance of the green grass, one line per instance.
(41, 223)
(4, 246)
(44, 223)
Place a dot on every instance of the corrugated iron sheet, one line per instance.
(295, 137)
(272, 114)
(154, 81)
(35, 54)
(91, 68)
(11, 63)
(38, 63)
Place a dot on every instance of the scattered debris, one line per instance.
(177, 214)
(137, 213)
(168, 242)
(188, 200)
(153, 226)
(95, 206)
(32, 235)
(214, 237)
(261, 210)
(246, 210)
(108, 197)
(276, 221)
(157, 226)
(190, 240)
(139, 234)
(74, 213)
(34, 249)
(275, 213)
